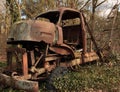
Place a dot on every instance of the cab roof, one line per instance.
(66, 13)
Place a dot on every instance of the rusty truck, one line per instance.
(38, 46)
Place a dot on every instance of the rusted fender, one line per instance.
(63, 49)
(29, 86)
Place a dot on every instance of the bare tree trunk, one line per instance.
(94, 6)
(93, 23)
(113, 13)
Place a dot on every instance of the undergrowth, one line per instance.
(89, 77)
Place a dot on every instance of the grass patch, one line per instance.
(102, 77)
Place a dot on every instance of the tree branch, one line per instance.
(100, 3)
(84, 5)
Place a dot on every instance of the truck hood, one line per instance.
(32, 30)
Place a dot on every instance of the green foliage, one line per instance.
(105, 77)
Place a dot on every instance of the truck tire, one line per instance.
(56, 73)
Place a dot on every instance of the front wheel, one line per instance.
(56, 73)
